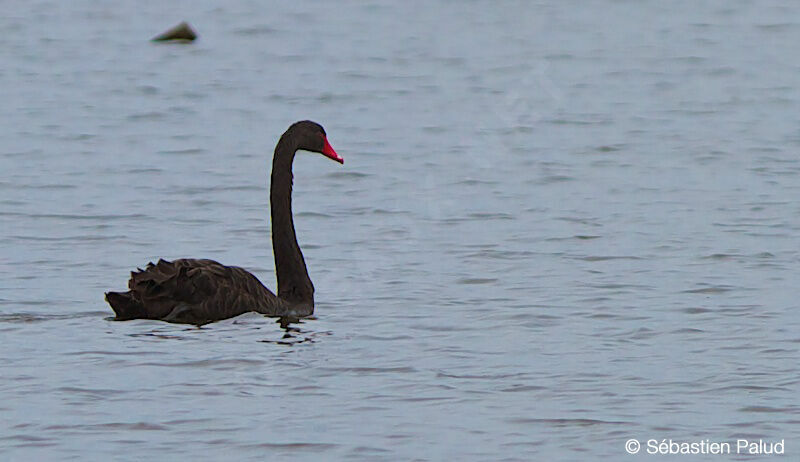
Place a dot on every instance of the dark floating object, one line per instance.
(202, 291)
(182, 32)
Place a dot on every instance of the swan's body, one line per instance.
(198, 291)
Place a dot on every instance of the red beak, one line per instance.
(329, 152)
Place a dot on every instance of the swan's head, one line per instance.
(310, 136)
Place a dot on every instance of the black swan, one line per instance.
(198, 292)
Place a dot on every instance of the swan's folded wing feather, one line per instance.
(198, 291)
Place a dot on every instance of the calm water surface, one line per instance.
(560, 225)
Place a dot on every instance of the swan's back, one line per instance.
(194, 291)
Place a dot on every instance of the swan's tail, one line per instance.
(124, 306)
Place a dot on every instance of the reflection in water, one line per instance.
(292, 332)
(158, 335)
(294, 335)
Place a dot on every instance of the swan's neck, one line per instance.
(294, 285)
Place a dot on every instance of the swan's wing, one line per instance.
(192, 291)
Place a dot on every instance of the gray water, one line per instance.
(559, 226)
